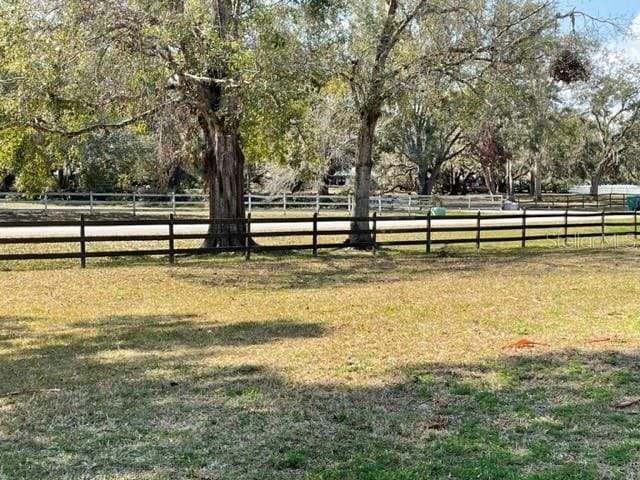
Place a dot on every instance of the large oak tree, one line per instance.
(71, 67)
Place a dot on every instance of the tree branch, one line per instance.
(42, 126)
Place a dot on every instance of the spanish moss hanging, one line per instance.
(570, 66)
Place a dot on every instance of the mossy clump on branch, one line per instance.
(569, 67)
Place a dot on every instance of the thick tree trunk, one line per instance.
(435, 175)
(224, 162)
(360, 236)
(224, 172)
(423, 179)
(427, 179)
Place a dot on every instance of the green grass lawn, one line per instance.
(346, 366)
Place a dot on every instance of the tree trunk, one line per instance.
(359, 235)
(224, 162)
(323, 184)
(428, 182)
(509, 179)
(536, 181)
(596, 178)
(224, 172)
(489, 180)
(423, 180)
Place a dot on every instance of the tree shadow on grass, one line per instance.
(158, 331)
(178, 414)
(305, 273)
(345, 266)
(155, 333)
(14, 327)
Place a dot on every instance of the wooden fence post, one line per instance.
(173, 202)
(429, 231)
(133, 197)
(83, 246)
(566, 227)
(379, 204)
(478, 231)
(603, 225)
(247, 238)
(284, 202)
(317, 202)
(91, 203)
(635, 224)
(46, 204)
(375, 231)
(315, 234)
(524, 227)
(171, 240)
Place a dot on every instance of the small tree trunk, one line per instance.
(535, 178)
(509, 179)
(596, 178)
(359, 228)
(489, 180)
(599, 172)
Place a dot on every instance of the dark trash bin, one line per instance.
(633, 203)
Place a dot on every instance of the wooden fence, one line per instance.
(574, 200)
(521, 228)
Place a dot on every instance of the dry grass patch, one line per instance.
(341, 367)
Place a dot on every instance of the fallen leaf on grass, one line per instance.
(628, 403)
(524, 343)
(436, 426)
(598, 340)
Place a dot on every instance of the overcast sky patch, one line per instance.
(628, 48)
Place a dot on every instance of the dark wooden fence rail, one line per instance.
(566, 222)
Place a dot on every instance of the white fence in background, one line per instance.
(134, 203)
(607, 189)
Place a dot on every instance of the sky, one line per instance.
(626, 12)
(605, 8)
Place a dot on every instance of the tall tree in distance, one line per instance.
(391, 43)
(614, 110)
(489, 148)
(425, 128)
(375, 33)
